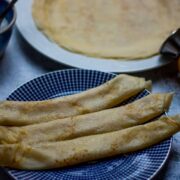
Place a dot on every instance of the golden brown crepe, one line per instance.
(108, 28)
(88, 148)
(176, 117)
(105, 96)
(118, 118)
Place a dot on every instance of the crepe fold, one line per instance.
(88, 148)
(132, 114)
(113, 92)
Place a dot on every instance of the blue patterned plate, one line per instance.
(140, 165)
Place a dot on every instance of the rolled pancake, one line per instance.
(126, 29)
(114, 119)
(176, 117)
(105, 96)
(88, 148)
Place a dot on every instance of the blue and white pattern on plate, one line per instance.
(140, 165)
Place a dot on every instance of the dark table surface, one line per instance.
(21, 63)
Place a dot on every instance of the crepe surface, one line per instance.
(111, 29)
(107, 95)
(88, 148)
(122, 117)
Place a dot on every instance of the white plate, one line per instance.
(36, 39)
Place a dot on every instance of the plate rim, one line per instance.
(75, 60)
(65, 70)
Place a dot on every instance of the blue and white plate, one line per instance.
(140, 165)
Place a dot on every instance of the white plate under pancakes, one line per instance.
(41, 43)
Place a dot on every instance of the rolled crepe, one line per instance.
(108, 120)
(88, 148)
(176, 117)
(105, 96)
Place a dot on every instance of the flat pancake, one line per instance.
(108, 28)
